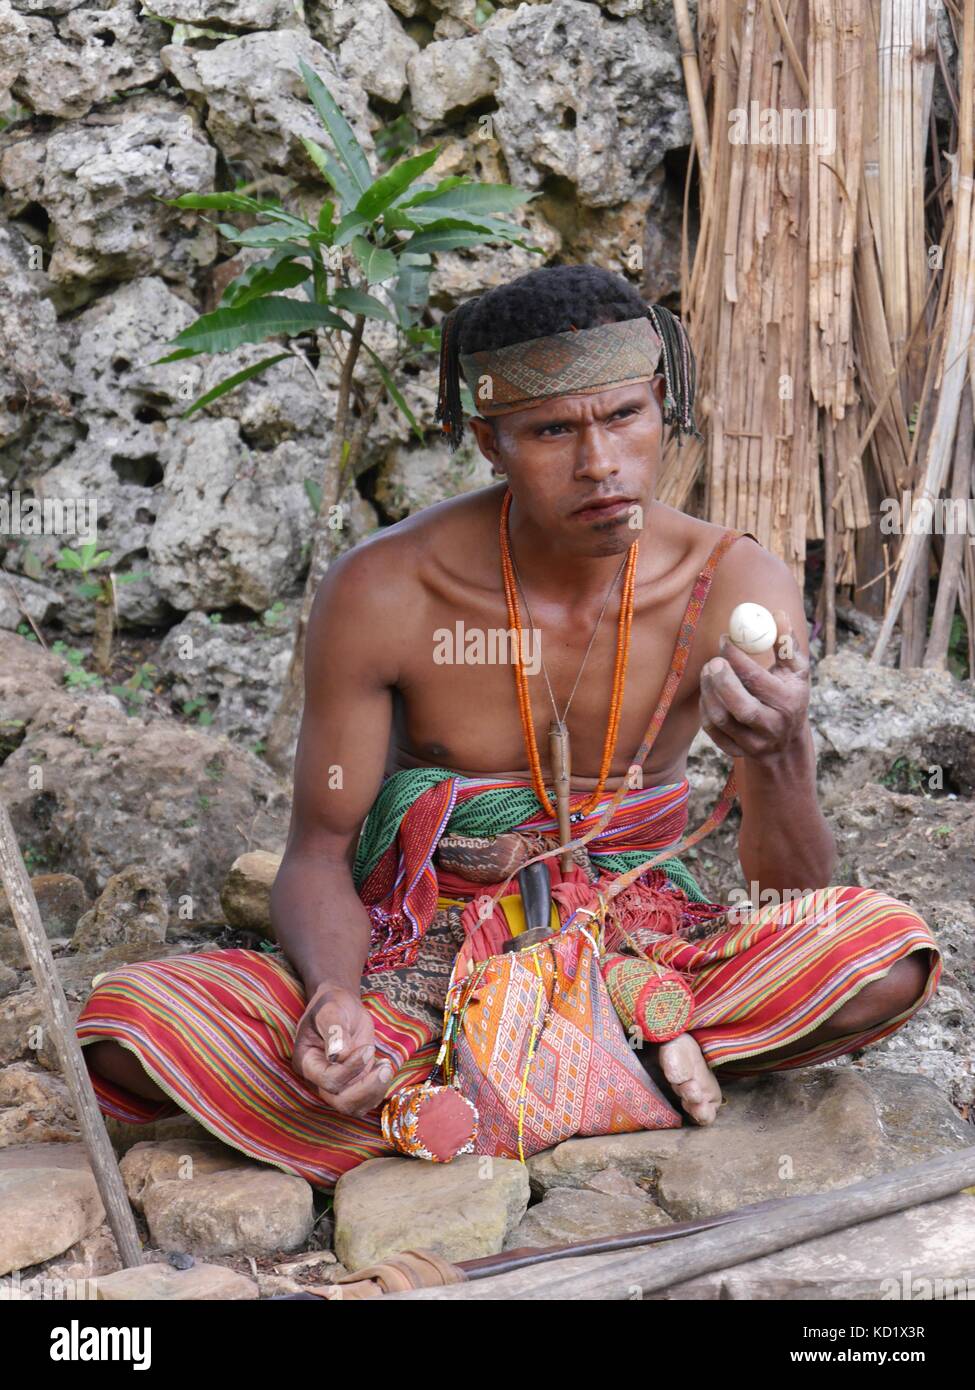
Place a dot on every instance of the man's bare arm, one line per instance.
(756, 709)
(316, 913)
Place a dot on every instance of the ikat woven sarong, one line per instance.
(215, 1029)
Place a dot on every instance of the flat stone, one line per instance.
(157, 1282)
(790, 1134)
(253, 1210)
(132, 909)
(566, 1215)
(34, 1106)
(459, 1210)
(125, 1136)
(926, 1252)
(183, 1160)
(43, 1211)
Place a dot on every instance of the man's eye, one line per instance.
(547, 428)
(623, 411)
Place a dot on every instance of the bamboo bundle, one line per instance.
(957, 339)
(743, 300)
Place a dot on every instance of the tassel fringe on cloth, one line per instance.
(215, 1030)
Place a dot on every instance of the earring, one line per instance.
(498, 472)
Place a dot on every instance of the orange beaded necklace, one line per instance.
(624, 629)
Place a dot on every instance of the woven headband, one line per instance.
(516, 377)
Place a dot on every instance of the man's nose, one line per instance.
(594, 455)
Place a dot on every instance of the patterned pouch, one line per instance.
(532, 1039)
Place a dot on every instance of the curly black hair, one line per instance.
(555, 299)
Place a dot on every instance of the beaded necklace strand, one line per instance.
(624, 629)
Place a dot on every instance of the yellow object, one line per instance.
(513, 909)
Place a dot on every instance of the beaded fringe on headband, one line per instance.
(589, 359)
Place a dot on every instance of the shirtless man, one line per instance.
(581, 467)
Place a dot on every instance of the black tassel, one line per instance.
(680, 373)
(450, 411)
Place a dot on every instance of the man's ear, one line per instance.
(487, 439)
(658, 386)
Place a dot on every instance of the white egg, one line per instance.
(752, 628)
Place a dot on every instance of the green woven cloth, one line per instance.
(492, 812)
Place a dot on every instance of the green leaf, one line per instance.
(433, 219)
(283, 276)
(226, 329)
(256, 236)
(376, 263)
(250, 273)
(429, 190)
(225, 202)
(347, 146)
(88, 588)
(412, 289)
(429, 242)
(394, 391)
(358, 302)
(473, 198)
(326, 221)
(328, 165)
(349, 228)
(230, 382)
(314, 493)
(392, 184)
(68, 559)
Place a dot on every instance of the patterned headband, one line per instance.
(506, 379)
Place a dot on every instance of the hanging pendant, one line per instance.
(560, 760)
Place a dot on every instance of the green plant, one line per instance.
(133, 692)
(24, 630)
(204, 715)
(271, 615)
(958, 648)
(366, 255)
(76, 676)
(85, 560)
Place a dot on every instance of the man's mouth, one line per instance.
(603, 508)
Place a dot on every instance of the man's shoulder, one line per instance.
(400, 557)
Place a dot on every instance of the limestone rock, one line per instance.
(866, 717)
(448, 76)
(35, 1107)
(61, 900)
(120, 791)
(34, 377)
(180, 1126)
(253, 1209)
(596, 101)
(282, 403)
(564, 1216)
(72, 1274)
(133, 908)
(9, 979)
(168, 1160)
(256, 102)
(229, 673)
(922, 1253)
(90, 55)
(101, 181)
(229, 529)
(234, 14)
(791, 1133)
(158, 1282)
(245, 897)
(44, 1208)
(416, 478)
(370, 43)
(459, 1210)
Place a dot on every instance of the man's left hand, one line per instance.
(750, 711)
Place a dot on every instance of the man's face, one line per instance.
(567, 455)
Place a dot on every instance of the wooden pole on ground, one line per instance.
(23, 905)
(636, 1273)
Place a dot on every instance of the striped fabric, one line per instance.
(215, 1030)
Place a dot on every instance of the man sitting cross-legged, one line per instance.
(289, 1057)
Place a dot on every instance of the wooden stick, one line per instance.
(23, 905)
(560, 759)
(692, 81)
(636, 1273)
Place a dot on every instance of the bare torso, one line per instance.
(443, 567)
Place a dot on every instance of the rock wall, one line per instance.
(109, 108)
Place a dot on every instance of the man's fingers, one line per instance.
(365, 1093)
(757, 680)
(338, 1075)
(726, 695)
(789, 656)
